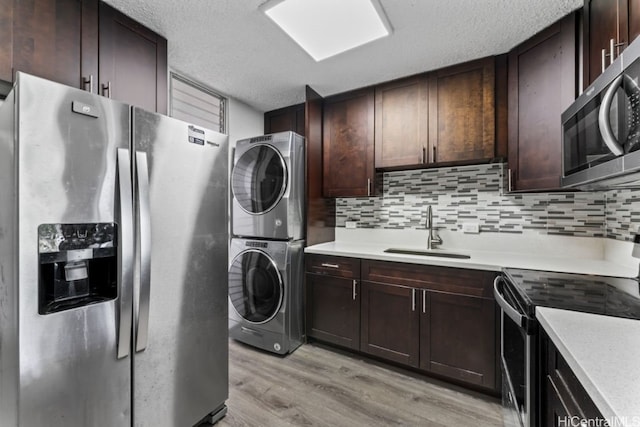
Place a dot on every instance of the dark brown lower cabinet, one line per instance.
(439, 320)
(564, 400)
(390, 322)
(457, 337)
(333, 310)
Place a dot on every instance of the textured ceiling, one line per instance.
(234, 48)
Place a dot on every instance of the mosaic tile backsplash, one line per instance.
(476, 194)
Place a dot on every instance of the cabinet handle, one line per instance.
(509, 179)
(324, 264)
(604, 59)
(354, 294)
(106, 90)
(413, 299)
(369, 187)
(424, 155)
(424, 301)
(612, 44)
(618, 46)
(89, 82)
(434, 154)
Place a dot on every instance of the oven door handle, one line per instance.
(505, 306)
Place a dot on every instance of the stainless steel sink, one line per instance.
(436, 253)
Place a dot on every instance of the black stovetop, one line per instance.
(611, 296)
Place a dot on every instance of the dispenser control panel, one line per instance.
(78, 265)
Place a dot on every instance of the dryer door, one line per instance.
(255, 286)
(259, 179)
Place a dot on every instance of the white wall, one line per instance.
(243, 121)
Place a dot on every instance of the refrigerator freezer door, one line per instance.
(182, 374)
(69, 372)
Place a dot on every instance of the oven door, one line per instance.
(517, 358)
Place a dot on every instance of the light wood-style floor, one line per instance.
(316, 386)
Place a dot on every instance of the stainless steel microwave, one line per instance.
(601, 129)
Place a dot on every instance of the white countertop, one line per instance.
(492, 253)
(604, 353)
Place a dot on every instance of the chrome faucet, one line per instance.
(431, 238)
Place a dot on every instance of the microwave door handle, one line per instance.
(505, 306)
(603, 118)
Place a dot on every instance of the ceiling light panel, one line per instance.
(324, 28)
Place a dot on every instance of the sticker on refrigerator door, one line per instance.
(196, 136)
(85, 109)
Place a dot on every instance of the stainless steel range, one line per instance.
(518, 292)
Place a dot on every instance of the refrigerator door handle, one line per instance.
(126, 253)
(144, 236)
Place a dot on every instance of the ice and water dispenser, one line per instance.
(78, 265)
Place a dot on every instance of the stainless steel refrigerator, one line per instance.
(113, 263)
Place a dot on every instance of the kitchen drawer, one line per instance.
(333, 266)
(446, 279)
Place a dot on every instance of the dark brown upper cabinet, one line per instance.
(443, 117)
(348, 144)
(542, 84)
(285, 119)
(402, 122)
(133, 62)
(6, 45)
(84, 44)
(609, 27)
(56, 40)
(462, 112)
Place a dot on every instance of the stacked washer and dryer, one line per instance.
(266, 270)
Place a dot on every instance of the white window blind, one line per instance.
(197, 104)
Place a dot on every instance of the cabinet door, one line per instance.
(49, 40)
(602, 25)
(285, 119)
(462, 112)
(562, 393)
(401, 122)
(542, 84)
(555, 411)
(6, 44)
(333, 310)
(133, 62)
(634, 20)
(457, 337)
(390, 322)
(348, 143)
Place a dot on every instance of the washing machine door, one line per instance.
(259, 179)
(255, 286)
